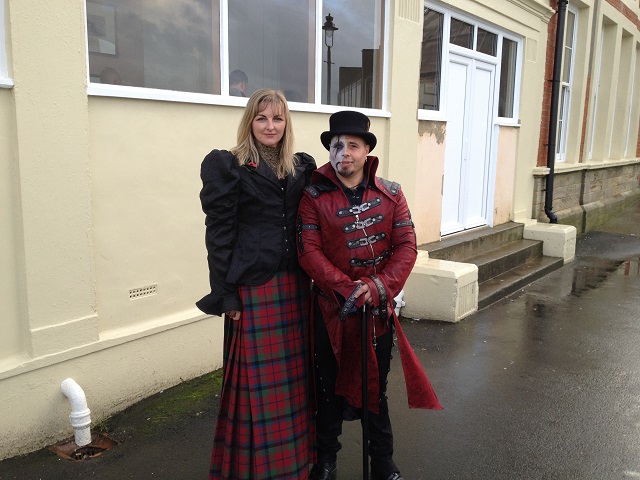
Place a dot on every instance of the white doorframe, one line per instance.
(469, 179)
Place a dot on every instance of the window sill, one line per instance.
(140, 93)
(6, 82)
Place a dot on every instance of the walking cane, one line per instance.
(365, 396)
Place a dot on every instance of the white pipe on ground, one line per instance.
(399, 302)
(80, 413)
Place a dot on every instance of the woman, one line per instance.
(250, 196)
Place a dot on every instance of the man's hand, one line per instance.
(364, 290)
(233, 315)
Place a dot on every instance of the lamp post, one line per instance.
(329, 28)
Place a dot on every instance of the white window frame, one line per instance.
(565, 113)
(631, 98)
(5, 81)
(441, 114)
(595, 95)
(124, 91)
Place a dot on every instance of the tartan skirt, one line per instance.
(264, 428)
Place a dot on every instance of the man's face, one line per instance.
(348, 155)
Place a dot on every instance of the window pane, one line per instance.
(461, 34)
(487, 42)
(568, 47)
(273, 43)
(507, 78)
(168, 45)
(356, 53)
(431, 60)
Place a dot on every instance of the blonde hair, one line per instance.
(246, 151)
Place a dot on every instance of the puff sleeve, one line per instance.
(219, 197)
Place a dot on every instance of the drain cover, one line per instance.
(69, 450)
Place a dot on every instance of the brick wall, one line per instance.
(548, 84)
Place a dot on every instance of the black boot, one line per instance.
(324, 471)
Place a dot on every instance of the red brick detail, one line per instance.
(587, 96)
(626, 11)
(548, 85)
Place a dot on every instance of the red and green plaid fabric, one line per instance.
(264, 428)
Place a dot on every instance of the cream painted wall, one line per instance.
(404, 70)
(505, 173)
(98, 196)
(11, 339)
(427, 208)
(54, 182)
(113, 375)
(148, 222)
(535, 44)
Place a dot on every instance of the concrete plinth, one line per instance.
(558, 240)
(441, 290)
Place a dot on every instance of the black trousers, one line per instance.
(333, 409)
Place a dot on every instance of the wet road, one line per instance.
(544, 384)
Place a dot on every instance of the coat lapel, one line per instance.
(265, 171)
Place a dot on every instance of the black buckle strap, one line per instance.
(382, 294)
(365, 241)
(403, 223)
(362, 224)
(349, 306)
(370, 262)
(358, 209)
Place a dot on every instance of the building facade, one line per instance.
(107, 108)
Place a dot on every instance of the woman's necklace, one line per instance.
(271, 156)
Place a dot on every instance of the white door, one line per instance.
(468, 155)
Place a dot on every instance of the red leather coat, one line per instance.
(340, 246)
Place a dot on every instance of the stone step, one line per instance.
(466, 245)
(505, 257)
(498, 287)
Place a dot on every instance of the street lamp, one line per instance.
(329, 28)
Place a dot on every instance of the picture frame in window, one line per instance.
(101, 28)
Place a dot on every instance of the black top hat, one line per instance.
(349, 122)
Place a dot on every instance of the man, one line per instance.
(238, 82)
(356, 241)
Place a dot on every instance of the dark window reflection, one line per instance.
(461, 33)
(356, 53)
(431, 60)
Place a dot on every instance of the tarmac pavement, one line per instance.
(544, 384)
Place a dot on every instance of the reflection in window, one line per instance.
(431, 60)
(3, 53)
(177, 45)
(461, 33)
(507, 78)
(273, 43)
(565, 87)
(356, 53)
(172, 46)
(568, 47)
(487, 42)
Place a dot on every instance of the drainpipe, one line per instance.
(553, 125)
(80, 418)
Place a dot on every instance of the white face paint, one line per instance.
(337, 147)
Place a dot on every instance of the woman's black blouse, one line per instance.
(250, 224)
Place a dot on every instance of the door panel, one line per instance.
(465, 187)
(480, 142)
(455, 148)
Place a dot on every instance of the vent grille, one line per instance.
(410, 10)
(141, 292)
